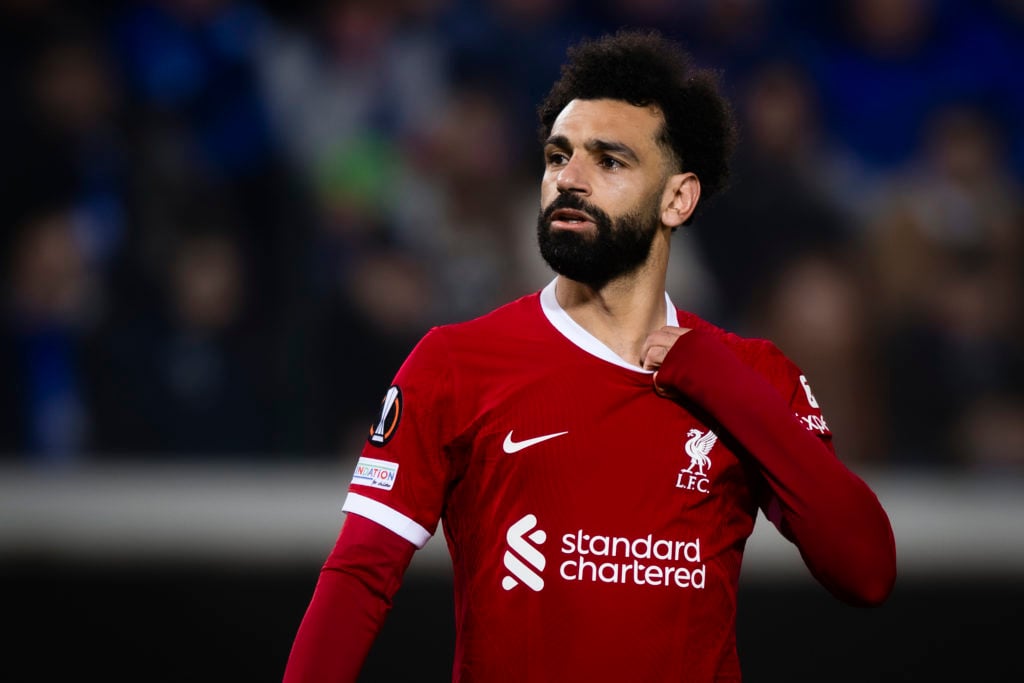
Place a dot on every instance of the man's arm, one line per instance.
(349, 604)
(836, 521)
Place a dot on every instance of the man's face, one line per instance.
(602, 190)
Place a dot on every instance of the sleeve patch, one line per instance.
(388, 418)
(378, 474)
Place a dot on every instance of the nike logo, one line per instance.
(511, 446)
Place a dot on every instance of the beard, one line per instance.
(619, 247)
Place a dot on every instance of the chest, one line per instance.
(588, 443)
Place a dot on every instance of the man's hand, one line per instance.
(656, 347)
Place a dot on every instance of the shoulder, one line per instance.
(449, 347)
(760, 354)
(764, 357)
(752, 350)
(518, 317)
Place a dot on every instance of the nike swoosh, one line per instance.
(511, 446)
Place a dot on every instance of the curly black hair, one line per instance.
(644, 68)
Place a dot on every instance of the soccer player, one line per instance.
(597, 456)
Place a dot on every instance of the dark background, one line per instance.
(234, 623)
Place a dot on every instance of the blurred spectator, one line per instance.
(197, 116)
(47, 315)
(193, 63)
(362, 332)
(817, 312)
(67, 146)
(948, 257)
(461, 208)
(513, 48)
(189, 378)
(990, 436)
(777, 210)
(738, 36)
(370, 79)
(884, 65)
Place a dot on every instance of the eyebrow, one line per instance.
(595, 145)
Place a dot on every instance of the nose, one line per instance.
(571, 178)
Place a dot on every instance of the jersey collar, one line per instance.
(575, 333)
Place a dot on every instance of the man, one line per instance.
(598, 456)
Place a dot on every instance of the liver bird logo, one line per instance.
(698, 447)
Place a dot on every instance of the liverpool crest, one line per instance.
(698, 446)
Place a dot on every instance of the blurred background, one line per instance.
(226, 223)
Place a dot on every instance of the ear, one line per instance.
(682, 191)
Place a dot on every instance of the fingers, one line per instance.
(655, 340)
(658, 344)
(653, 358)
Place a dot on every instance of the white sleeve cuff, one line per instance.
(387, 517)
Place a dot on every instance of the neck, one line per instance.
(621, 313)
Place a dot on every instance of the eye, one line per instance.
(555, 158)
(610, 163)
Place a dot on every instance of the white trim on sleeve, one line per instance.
(387, 517)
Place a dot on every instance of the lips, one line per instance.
(570, 216)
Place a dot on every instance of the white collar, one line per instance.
(575, 333)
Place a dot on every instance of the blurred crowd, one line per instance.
(226, 222)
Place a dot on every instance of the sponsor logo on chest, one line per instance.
(587, 557)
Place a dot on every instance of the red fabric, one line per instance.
(348, 607)
(836, 521)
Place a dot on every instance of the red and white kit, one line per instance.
(596, 528)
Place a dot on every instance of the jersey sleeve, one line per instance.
(403, 471)
(833, 517)
(351, 600)
(794, 387)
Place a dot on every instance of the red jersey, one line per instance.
(596, 529)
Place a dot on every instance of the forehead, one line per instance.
(607, 119)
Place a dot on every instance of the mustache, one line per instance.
(573, 201)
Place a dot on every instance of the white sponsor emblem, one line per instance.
(814, 423)
(511, 446)
(525, 564)
(380, 474)
(698, 447)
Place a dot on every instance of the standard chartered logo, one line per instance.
(598, 558)
(644, 561)
(525, 563)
